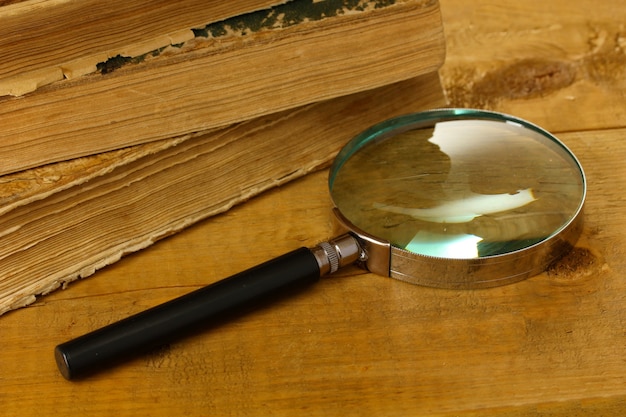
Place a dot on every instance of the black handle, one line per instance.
(173, 319)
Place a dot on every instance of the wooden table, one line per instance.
(358, 344)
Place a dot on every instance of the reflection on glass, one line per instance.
(460, 188)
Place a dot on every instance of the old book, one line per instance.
(63, 221)
(84, 77)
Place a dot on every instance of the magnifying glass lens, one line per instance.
(458, 185)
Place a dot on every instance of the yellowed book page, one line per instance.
(206, 83)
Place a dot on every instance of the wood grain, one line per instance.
(542, 61)
(359, 344)
(356, 341)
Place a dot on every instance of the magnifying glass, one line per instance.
(452, 198)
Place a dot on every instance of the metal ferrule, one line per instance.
(375, 253)
(336, 253)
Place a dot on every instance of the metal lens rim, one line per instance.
(486, 271)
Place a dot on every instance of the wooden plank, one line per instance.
(355, 343)
(556, 64)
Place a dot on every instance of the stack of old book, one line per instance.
(122, 122)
